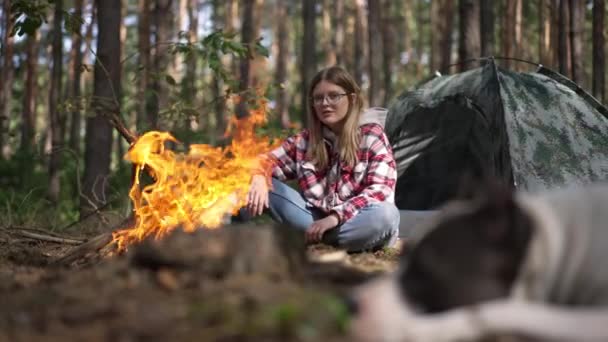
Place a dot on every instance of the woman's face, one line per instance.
(331, 104)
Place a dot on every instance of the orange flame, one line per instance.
(197, 189)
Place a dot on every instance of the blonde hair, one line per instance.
(348, 140)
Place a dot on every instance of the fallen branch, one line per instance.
(48, 238)
(41, 235)
(44, 232)
(92, 245)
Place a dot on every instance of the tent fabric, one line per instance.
(535, 130)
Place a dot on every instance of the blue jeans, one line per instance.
(375, 226)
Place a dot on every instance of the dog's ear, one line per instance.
(498, 213)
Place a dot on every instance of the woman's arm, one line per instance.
(380, 178)
(283, 162)
(284, 158)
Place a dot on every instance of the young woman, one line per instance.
(345, 170)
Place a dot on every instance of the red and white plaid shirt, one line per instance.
(339, 188)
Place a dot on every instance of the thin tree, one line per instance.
(162, 22)
(545, 33)
(106, 92)
(326, 29)
(469, 44)
(247, 38)
(282, 41)
(389, 50)
(308, 51)
(442, 20)
(508, 30)
(219, 21)
(54, 98)
(563, 43)
(360, 38)
(189, 80)
(577, 20)
(486, 27)
(421, 40)
(146, 116)
(75, 80)
(347, 55)
(375, 48)
(338, 34)
(599, 46)
(6, 76)
(28, 121)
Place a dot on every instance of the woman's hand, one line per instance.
(257, 199)
(314, 233)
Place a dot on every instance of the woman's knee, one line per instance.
(378, 223)
(385, 217)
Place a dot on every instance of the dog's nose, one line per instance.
(351, 304)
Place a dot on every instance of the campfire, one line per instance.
(196, 189)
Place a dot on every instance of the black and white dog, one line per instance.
(532, 267)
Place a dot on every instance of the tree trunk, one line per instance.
(405, 32)
(282, 39)
(360, 41)
(219, 109)
(222, 111)
(308, 52)
(248, 35)
(563, 44)
(163, 17)
(486, 27)
(518, 49)
(6, 78)
(599, 41)
(389, 51)
(75, 79)
(338, 36)
(28, 124)
(146, 117)
(232, 16)
(328, 33)
(577, 20)
(469, 46)
(98, 143)
(421, 42)
(375, 48)
(54, 98)
(442, 14)
(508, 31)
(436, 22)
(178, 59)
(545, 33)
(445, 29)
(190, 76)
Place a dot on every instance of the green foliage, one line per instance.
(28, 15)
(217, 44)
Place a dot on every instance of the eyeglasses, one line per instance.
(331, 98)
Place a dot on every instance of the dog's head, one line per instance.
(472, 253)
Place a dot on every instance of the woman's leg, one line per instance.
(375, 226)
(288, 206)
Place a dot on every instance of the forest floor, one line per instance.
(206, 286)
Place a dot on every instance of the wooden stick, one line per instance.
(49, 238)
(45, 232)
(92, 245)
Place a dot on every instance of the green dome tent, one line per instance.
(534, 130)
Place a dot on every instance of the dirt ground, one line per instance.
(241, 283)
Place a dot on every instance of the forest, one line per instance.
(82, 80)
(173, 65)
